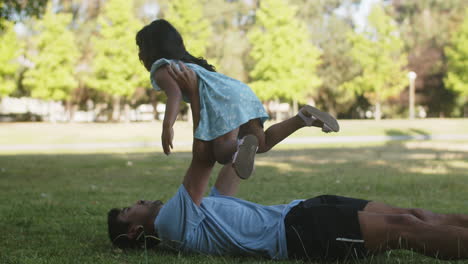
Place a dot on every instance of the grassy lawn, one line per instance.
(53, 206)
(60, 133)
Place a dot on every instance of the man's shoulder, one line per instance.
(177, 216)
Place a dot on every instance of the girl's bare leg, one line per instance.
(225, 146)
(274, 134)
(227, 182)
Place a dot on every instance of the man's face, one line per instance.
(143, 212)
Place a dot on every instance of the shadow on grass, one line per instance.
(409, 132)
(54, 206)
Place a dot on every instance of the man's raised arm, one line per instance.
(198, 173)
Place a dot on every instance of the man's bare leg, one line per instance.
(429, 217)
(383, 232)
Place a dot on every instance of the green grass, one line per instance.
(44, 133)
(53, 206)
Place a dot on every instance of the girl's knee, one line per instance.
(202, 152)
(262, 146)
(221, 157)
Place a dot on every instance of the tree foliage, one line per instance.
(270, 44)
(285, 59)
(336, 68)
(230, 21)
(116, 69)
(188, 18)
(9, 52)
(379, 51)
(20, 8)
(426, 27)
(54, 58)
(427, 20)
(457, 55)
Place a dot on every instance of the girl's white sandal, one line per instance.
(329, 122)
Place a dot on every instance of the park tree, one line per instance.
(18, 9)
(9, 52)
(230, 20)
(328, 29)
(54, 56)
(229, 46)
(426, 27)
(285, 60)
(116, 69)
(457, 56)
(336, 69)
(84, 27)
(188, 18)
(379, 52)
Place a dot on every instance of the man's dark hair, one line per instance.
(118, 233)
(159, 40)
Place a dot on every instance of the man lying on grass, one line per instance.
(322, 228)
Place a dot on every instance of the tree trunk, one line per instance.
(155, 110)
(332, 110)
(154, 103)
(267, 106)
(189, 115)
(378, 112)
(278, 113)
(49, 112)
(295, 107)
(91, 115)
(465, 110)
(74, 109)
(116, 108)
(97, 111)
(68, 111)
(127, 113)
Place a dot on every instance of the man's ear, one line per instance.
(135, 231)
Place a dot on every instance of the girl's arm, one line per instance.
(174, 97)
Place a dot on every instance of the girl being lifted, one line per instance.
(227, 116)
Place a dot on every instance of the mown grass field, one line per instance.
(63, 133)
(53, 204)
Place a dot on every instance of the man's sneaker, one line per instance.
(311, 115)
(243, 160)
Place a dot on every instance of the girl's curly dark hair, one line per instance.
(160, 40)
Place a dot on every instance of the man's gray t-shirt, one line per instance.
(223, 225)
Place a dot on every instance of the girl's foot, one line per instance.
(314, 117)
(244, 158)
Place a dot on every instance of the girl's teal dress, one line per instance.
(225, 103)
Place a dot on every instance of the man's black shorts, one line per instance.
(325, 228)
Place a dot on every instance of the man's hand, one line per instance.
(185, 77)
(166, 139)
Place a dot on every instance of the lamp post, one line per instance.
(412, 78)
